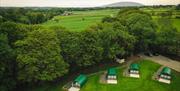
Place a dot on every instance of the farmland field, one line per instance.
(176, 23)
(80, 20)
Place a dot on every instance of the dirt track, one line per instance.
(164, 61)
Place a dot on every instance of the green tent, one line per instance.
(134, 67)
(112, 71)
(166, 71)
(81, 80)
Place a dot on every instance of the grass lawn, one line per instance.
(176, 23)
(80, 20)
(145, 83)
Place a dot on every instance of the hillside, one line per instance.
(123, 4)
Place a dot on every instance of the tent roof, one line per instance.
(81, 79)
(134, 66)
(111, 71)
(166, 70)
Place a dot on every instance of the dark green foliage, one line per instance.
(15, 31)
(178, 7)
(141, 26)
(7, 76)
(100, 43)
(1, 19)
(38, 57)
(28, 15)
(10, 29)
(115, 40)
(35, 18)
(167, 14)
(168, 38)
(90, 47)
(70, 45)
(122, 13)
(109, 19)
(80, 49)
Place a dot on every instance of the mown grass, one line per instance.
(80, 20)
(145, 83)
(176, 23)
(76, 22)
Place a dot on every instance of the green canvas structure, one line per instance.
(134, 67)
(112, 72)
(166, 71)
(81, 80)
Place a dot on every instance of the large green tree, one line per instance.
(39, 57)
(7, 75)
(141, 26)
(80, 48)
(90, 48)
(36, 17)
(116, 41)
(9, 33)
(69, 42)
(15, 31)
(168, 38)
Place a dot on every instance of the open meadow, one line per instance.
(81, 20)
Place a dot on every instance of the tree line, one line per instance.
(28, 15)
(32, 53)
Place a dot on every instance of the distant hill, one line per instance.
(124, 4)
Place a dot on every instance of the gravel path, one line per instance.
(103, 78)
(129, 61)
(164, 61)
(155, 75)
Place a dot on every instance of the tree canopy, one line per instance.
(31, 53)
(39, 57)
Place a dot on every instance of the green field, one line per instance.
(145, 83)
(80, 20)
(176, 23)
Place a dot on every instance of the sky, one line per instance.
(79, 3)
